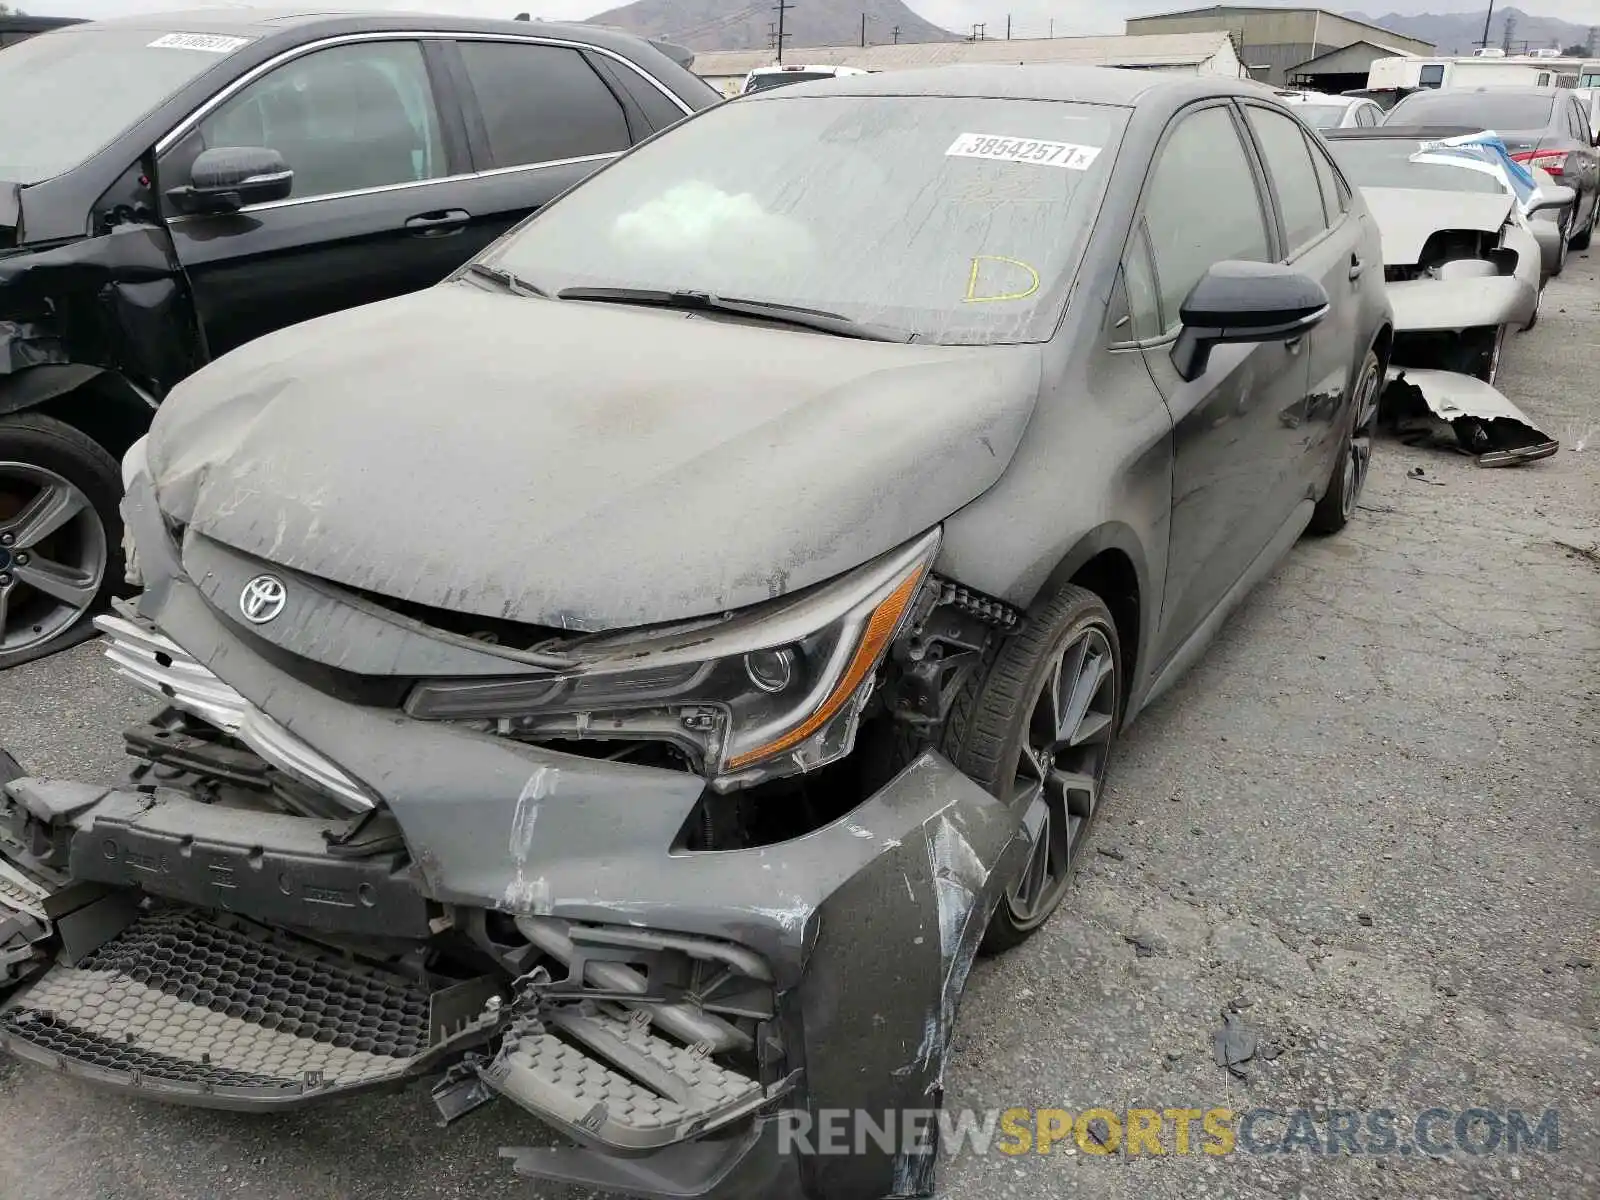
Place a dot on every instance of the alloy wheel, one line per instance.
(1061, 769)
(52, 556)
(1359, 458)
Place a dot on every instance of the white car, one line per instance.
(770, 77)
(1322, 111)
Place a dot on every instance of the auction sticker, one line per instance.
(997, 148)
(211, 43)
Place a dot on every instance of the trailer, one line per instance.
(1410, 72)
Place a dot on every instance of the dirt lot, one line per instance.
(1367, 819)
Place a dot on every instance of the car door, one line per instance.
(539, 119)
(1205, 202)
(1321, 243)
(1582, 168)
(382, 191)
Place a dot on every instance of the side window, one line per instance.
(657, 108)
(1580, 127)
(1368, 115)
(1335, 200)
(345, 118)
(1431, 76)
(542, 103)
(1139, 281)
(1288, 160)
(1202, 157)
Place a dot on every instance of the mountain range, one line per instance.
(1461, 33)
(750, 24)
(742, 25)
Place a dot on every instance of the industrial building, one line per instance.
(1310, 47)
(1203, 53)
(16, 28)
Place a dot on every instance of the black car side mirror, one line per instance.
(1553, 199)
(1244, 302)
(229, 177)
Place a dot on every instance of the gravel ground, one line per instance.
(1367, 819)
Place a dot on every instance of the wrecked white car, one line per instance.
(1461, 260)
(630, 679)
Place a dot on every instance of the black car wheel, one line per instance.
(60, 549)
(1037, 730)
(1581, 241)
(1343, 493)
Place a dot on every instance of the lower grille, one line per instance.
(220, 1012)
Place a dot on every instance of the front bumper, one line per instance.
(213, 921)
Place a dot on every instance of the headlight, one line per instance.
(773, 690)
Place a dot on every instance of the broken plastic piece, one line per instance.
(1484, 422)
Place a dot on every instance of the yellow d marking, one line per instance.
(972, 280)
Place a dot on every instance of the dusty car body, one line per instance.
(651, 741)
(1461, 260)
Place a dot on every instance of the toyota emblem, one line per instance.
(263, 598)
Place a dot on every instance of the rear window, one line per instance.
(66, 95)
(1386, 163)
(1484, 110)
(1320, 116)
(779, 79)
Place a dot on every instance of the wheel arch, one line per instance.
(1110, 562)
(98, 403)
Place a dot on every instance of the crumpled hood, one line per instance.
(1407, 217)
(580, 465)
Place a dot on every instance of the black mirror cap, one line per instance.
(227, 178)
(1245, 302)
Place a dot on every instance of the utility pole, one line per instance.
(1589, 45)
(1511, 25)
(1052, 27)
(1486, 18)
(1008, 27)
(895, 33)
(779, 36)
(863, 31)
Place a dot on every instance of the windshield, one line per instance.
(1320, 116)
(1386, 163)
(1486, 110)
(955, 221)
(760, 83)
(67, 94)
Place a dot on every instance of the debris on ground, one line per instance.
(1141, 948)
(1471, 415)
(1111, 852)
(1234, 1045)
(1420, 476)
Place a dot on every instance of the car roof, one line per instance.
(1289, 97)
(1498, 89)
(1034, 81)
(267, 21)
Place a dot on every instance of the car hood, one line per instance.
(580, 465)
(1407, 217)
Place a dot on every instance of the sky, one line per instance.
(1029, 18)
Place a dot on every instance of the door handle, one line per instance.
(1356, 267)
(438, 224)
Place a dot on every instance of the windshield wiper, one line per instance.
(506, 279)
(766, 310)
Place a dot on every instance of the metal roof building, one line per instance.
(1208, 53)
(1283, 42)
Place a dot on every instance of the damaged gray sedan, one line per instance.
(632, 679)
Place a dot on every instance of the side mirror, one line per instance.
(1553, 198)
(229, 177)
(1244, 302)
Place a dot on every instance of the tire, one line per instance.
(1582, 240)
(1349, 475)
(42, 458)
(1006, 708)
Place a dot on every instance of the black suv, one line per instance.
(184, 184)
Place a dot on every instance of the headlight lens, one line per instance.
(765, 695)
